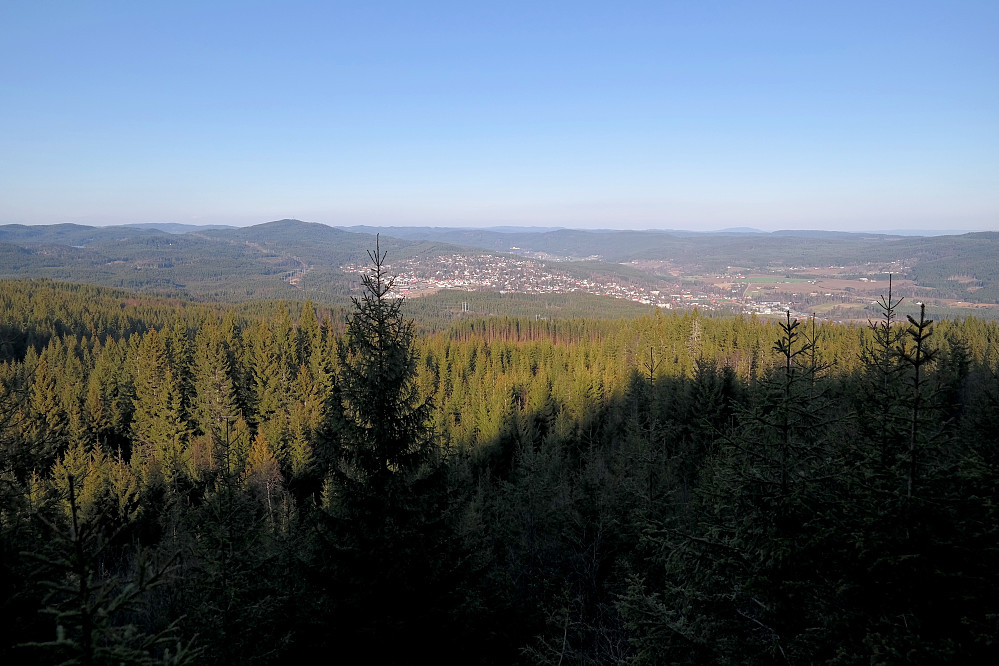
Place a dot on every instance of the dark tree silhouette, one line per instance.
(384, 495)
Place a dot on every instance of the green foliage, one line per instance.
(384, 499)
(740, 562)
(159, 429)
(91, 608)
(215, 405)
(669, 488)
(386, 420)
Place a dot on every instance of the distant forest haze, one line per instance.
(199, 482)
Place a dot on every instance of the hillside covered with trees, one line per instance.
(188, 482)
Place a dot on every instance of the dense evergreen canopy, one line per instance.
(193, 483)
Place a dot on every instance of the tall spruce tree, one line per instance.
(382, 497)
(159, 430)
(214, 407)
(388, 434)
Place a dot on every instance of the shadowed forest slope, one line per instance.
(196, 483)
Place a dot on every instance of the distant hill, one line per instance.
(404, 232)
(923, 232)
(819, 233)
(231, 264)
(175, 228)
(74, 235)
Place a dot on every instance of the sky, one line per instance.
(671, 115)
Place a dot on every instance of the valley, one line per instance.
(835, 276)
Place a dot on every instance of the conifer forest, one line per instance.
(189, 482)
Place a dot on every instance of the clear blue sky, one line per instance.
(700, 114)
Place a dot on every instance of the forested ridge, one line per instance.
(199, 483)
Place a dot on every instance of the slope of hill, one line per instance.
(224, 264)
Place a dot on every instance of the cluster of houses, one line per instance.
(472, 272)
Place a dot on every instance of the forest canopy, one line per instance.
(190, 482)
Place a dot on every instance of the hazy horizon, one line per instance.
(538, 228)
(702, 117)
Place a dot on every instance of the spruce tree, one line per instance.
(382, 497)
(879, 405)
(48, 429)
(752, 563)
(97, 600)
(214, 406)
(388, 434)
(159, 430)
